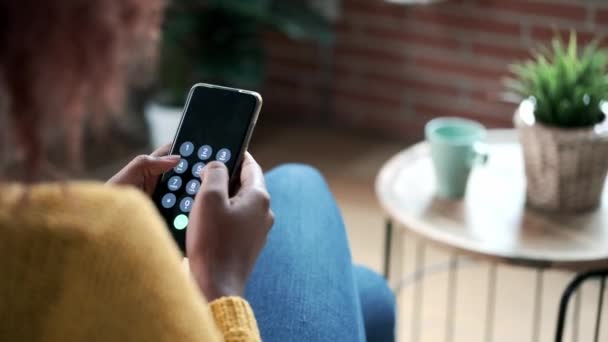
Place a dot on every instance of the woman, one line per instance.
(86, 261)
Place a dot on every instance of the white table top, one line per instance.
(492, 221)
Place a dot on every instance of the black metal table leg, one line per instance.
(600, 305)
(388, 243)
(572, 292)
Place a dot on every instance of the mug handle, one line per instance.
(480, 154)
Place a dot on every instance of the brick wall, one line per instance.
(394, 67)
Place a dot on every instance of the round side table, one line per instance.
(491, 222)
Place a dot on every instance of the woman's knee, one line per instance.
(374, 287)
(296, 170)
(377, 303)
(301, 174)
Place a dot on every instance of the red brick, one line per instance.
(536, 8)
(401, 127)
(413, 84)
(291, 108)
(494, 108)
(362, 95)
(465, 21)
(502, 52)
(361, 68)
(381, 78)
(601, 16)
(460, 20)
(358, 104)
(300, 99)
(404, 36)
(427, 109)
(465, 70)
(293, 62)
(544, 34)
(292, 113)
(343, 51)
(488, 94)
(368, 60)
(393, 125)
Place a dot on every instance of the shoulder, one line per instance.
(79, 210)
(67, 196)
(89, 220)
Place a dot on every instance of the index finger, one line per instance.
(252, 175)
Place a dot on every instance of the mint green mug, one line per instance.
(456, 146)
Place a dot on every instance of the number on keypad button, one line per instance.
(186, 149)
(174, 183)
(197, 169)
(182, 166)
(205, 152)
(192, 187)
(223, 155)
(186, 204)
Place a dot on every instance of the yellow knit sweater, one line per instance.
(88, 262)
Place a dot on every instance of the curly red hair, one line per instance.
(62, 59)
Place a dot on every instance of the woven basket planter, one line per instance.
(565, 168)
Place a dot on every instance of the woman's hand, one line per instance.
(225, 235)
(143, 171)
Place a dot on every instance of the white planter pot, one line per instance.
(163, 122)
(565, 168)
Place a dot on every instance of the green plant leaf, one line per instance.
(567, 82)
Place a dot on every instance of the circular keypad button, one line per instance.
(192, 187)
(182, 166)
(168, 201)
(174, 183)
(223, 155)
(197, 169)
(186, 204)
(180, 222)
(186, 149)
(205, 152)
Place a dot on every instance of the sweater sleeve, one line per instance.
(235, 319)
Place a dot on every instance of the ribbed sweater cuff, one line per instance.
(235, 319)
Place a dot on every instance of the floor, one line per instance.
(350, 164)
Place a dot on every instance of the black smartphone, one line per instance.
(217, 124)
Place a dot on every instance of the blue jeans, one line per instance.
(304, 286)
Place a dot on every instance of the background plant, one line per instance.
(568, 85)
(220, 41)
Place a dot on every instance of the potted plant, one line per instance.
(562, 125)
(220, 41)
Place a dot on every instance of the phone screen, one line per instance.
(215, 126)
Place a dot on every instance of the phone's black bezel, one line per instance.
(244, 146)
